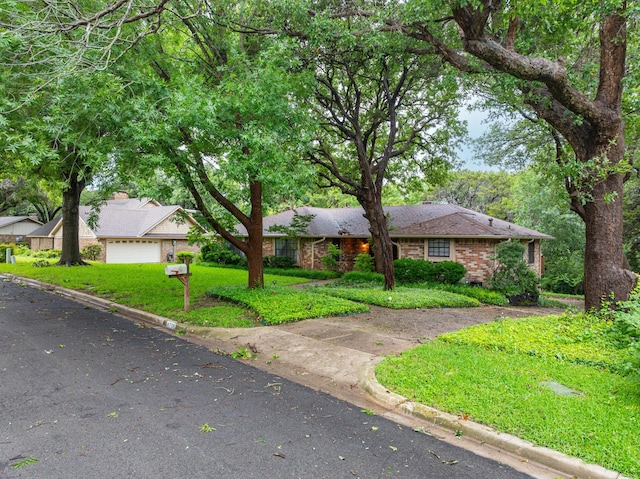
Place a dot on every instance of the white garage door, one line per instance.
(133, 251)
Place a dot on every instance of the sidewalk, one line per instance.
(310, 353)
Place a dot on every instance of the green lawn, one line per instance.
(494, 374)
(146, 287)
(277, 304)
(219, 296)
(401, 297)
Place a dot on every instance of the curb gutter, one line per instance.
(542, 455)
(574, 467)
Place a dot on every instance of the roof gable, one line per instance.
(115, 221)
(448, 225)
(10, 220)
(46, 229)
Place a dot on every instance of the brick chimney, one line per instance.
(119, 195)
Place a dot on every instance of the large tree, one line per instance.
(385, 115)
(224, 114)
(58, 121)
(221, 111)
(565, 63)
(60, 135)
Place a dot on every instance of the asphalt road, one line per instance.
(87, 394)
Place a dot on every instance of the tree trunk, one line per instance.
(254, 239)
(606, 273)
(606, 276)
(382, 245)
(597, 138)
(70, 222)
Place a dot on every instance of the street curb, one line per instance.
(542, 455)
(95, 301)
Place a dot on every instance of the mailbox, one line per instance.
(175, 269)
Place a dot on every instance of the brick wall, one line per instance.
(268, 247)
(311, 251)
(14, 238)
(411, 248)
(41, 243)
(167, 247)
(475, 255)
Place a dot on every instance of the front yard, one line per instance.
(219, 296)
(558, 381)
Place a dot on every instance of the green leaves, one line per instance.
(278, 305)
(402, 298)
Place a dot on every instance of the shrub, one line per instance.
(22, 248)
(216, 252)
(304, 273)
(565, 273)
(91, 252)
(49, 253)
(449, 272)
(413, 270)
(278, 262)
(626, 328)
(330, 260)
(513, 277)
(409, 270)
(185, 256)
(565, 283)
(363, 263)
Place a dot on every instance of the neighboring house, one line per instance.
(433, 232)
(129, 230)
(16, 228)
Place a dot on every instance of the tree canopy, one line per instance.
(564, 63)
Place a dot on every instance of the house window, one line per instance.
(287, 247)
(532, 253)
(439, 248)
(235, 249)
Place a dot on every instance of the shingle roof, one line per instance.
(9, 220)
(46, 228)
(426, 220)
(127, 218)
(116, 221)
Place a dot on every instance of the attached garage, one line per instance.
(129, 230)
(133, 251)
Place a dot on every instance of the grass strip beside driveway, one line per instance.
(488, 374)
(401, 297)
(277, 305)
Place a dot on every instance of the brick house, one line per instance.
(130, 230)
(16, 228)
(433, 232)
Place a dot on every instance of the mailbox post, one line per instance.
(180, 271)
